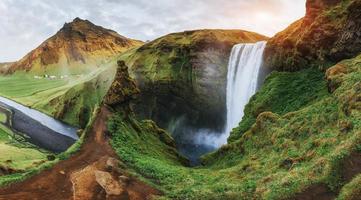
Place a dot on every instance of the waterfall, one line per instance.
(243, 71)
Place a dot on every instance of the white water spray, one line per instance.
(243, 72)
(244, 67)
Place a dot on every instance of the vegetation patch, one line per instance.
(281, 93)
(295, 148)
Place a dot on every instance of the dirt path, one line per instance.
(56, 183)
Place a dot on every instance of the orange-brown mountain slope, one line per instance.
(78, 45)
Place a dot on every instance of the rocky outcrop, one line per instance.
(123, 88)
(329, 33)
(182, 77)
(76, 45)
(108, 183)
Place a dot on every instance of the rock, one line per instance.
(187, 92)
(62, 172)
(108, 183)
(327, 34)
(122, 89)
(123, 179)
(114, 165)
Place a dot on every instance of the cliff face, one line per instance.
(75, 45)
(329, 33)
(182, 76)
(123, 89)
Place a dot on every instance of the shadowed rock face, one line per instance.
(182, 77)
(329, 33)
(123, 88)
(76, 43)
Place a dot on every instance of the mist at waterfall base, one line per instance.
(243, 79)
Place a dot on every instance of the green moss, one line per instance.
(303, 142)
(283, 92)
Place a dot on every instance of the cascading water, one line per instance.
(243, 71)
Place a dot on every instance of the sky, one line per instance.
(26, 24)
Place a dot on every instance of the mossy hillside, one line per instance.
(312, 143)
(281, 93)
(279, 156)
(76, 102)
(144, 154)
(71, 99)
(327, 34)
(188, 69)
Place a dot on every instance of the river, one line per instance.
(40, 129)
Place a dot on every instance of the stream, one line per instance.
(39, 128)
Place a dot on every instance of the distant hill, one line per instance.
(77, 46)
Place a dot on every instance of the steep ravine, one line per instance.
(182, 82)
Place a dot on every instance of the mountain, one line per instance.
(329, 33)
(182, 77)
(77, 46)
(68, 75)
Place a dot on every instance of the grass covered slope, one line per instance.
(312, 146)
(71, 99)
(281, 93)
(307, 148)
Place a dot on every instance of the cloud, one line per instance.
(25, 24)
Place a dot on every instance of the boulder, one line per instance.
(108, 183)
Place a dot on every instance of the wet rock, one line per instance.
(108, 183)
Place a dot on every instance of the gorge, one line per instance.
(243, 78)
(201, 115)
